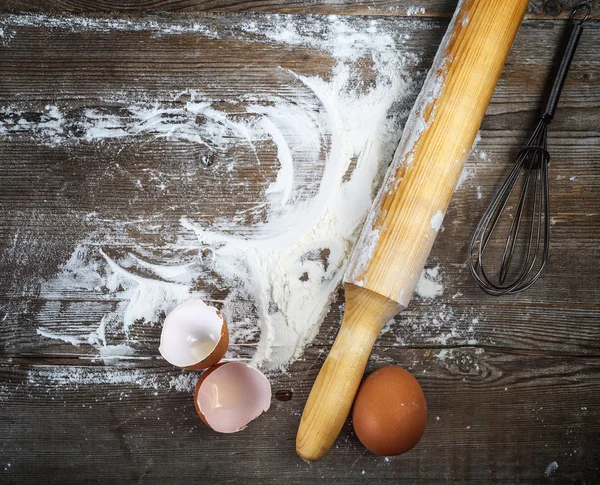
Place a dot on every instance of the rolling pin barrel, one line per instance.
(409, 209)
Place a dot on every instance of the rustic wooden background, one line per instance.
(500, 411)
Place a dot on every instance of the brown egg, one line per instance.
(390, 411)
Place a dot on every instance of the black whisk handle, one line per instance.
(565, 63)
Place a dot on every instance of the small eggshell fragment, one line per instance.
(230, 395)
(390, 412)
(194, 336)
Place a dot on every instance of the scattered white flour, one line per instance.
(420, 118)
(4, 393)
(9, 23)
(414, 10)
(430, 283)
(442, 354)
(174, 120)
(551, 468)
(74, 376)
(184, 382)
(71, 377)
(435, 321)
(470, 169)
(73, 340)
(436, 221)
(280, 273)
(467, 174)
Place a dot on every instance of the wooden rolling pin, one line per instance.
(409, 209)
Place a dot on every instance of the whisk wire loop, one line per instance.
(584, 6)
(528, 178)
(528, 238)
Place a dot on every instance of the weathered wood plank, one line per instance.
(108, 61)
(103, 178)
(158, 62)
(544, 317)
(493, 418)
(538, 9)
(514, 382)
(559, 329)
(49, 191)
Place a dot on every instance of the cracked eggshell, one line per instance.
(194, 336)
(230, 395)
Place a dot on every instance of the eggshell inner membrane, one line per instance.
(190, 333)
(232, 396)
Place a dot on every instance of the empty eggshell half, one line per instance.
(230, 395)
(194, 336)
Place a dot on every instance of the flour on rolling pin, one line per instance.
(420, 120)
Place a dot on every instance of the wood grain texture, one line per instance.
(65, 177)
(494, 418)
(514, 382)
(538, 9)
(399, 231)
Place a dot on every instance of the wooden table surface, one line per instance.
(514, 388)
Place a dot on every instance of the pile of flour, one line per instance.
(280, 274)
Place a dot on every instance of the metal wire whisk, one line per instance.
(528, 242)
